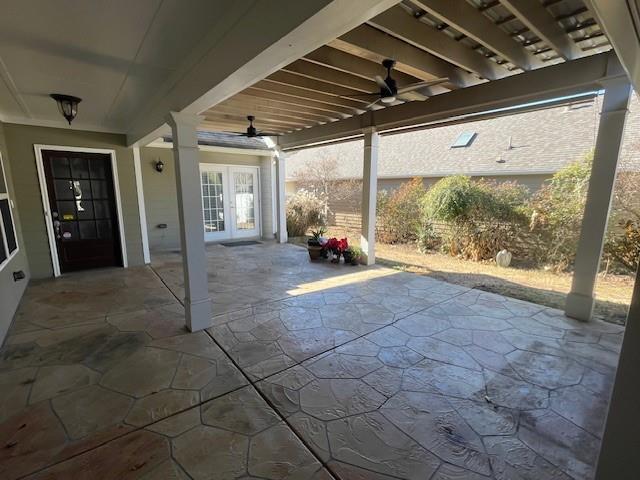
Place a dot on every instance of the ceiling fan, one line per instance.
(389, 91)
(253, 132)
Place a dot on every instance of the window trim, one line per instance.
(3, 234)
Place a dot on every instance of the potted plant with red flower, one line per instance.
(336, 247)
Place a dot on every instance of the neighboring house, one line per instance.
(525, 147)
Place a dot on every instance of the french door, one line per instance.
(230, 202)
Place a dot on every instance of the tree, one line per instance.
(558, 209)
(320, 177)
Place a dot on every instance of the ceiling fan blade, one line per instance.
(268, 134)
(240, 134)
(381, 83)
(359, 95)
(372, 104)
(416, 86)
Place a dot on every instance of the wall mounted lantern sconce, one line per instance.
(67, 105)
(159, 166)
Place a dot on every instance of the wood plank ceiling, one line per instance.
(467, 41)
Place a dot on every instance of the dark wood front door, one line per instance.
(83, 209)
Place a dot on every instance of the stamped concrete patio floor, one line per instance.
(309, 371)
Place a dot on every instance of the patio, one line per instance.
(309, 371)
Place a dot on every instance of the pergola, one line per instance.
(495, 55)
(306, 84)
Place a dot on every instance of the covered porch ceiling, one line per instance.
(471, 43)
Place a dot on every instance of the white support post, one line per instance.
(281, 207)
(580, 300)
(142, 212)
(619, 457)
(369, 195)
(197, 304)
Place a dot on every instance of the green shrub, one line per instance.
(557, 210)
(304, 211)
(428, 238)
(482, 217)
(399, 212)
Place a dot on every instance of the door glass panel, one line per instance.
(100, 189)
(79, 168)
(245, 201)
(66, 210)
(64, 189)
(102, 209)
(98, 168)
(212, 202)
(60, 167)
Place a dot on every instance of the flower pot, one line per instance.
(315, 251)
(348, 258)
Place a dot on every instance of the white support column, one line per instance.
(281, 206)
(581, 299)
(197, 303)
(369, 194)
(142, 212)
(619, 457)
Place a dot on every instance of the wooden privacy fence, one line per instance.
(523, 241)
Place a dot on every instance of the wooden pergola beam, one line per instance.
(398, 23)
(471, 22)
(540, 21)
(544, 84)
(372, 44)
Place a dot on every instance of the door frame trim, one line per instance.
(44, 194)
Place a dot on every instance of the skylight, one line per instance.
(464, 140)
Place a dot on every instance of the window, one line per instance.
(8, 242)
(464, 140)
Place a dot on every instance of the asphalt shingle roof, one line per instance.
(542, 141)
(219, 139)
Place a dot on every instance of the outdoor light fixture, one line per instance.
(159, 166)
(67, 105)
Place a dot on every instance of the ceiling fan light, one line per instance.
(388, 99)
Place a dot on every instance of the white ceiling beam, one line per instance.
(621, 24)
(577, 76)
(398, 23)
(256, 44)
(469, 20)
(374, 45)
(540, 21)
